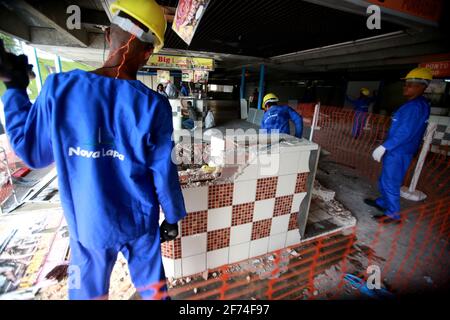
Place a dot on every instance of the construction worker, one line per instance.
(276, 118)
(409, 124)
(361, 107)
(110, 137)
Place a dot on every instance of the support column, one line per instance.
(243, 83)
(261, 86)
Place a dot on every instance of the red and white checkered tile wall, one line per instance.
(233, 222)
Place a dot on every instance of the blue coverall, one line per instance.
(361, 107)
(405, 136)
(112, 142)
(277, 118)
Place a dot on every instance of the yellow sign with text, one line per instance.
(180, 63)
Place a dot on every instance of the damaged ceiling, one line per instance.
(289, 36)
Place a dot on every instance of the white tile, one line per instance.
(219, 218)
(264, 209)
(196, 199)
(259, 247)
(244, 192)
(240, 234)
(277, 242)
(439, 135)
(293, 237)
(434, 119)
(193, 245)
(239, 252)
(217, 258)
(169, 267)
(249, 173)
(289, 163)
(178, 269)
(193, 265)
(303, 162)
(280, 224)
(269, 165)
(286, 185)
(298, 199)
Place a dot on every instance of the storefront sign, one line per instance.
(439, 69)
(187, 76)
(430, 10)
(181, 63)
(163, 76)
(201, 76)
(187, 18)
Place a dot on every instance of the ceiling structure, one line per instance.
(291, 37)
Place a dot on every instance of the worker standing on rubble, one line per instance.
(277, 117)
(361, 107)
(409, 124)
(110, 137)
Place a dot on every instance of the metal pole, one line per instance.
(411, 193)
(261, 86)
(38, 70)
(314, 121)
(58, 65)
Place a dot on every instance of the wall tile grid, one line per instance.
(232, 222)
(441, 139)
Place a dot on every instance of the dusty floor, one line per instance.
(394, 243)
(425, 272)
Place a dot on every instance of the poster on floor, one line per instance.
(187, 18)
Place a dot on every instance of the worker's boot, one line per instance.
(373, 204)
(385, 219)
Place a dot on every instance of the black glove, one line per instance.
(15, 71)
(168, 232)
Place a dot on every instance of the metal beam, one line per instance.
(105, 4)
(360, 7)
(11, 24)
(94, 17)
(53, 14)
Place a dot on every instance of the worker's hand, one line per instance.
(168, 232)
(15, 71)
(379, 153)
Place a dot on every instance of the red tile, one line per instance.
(220, 196)
(194, 223)
(300, 186)
(177, 248)
(266, 188)
(242, 214)
(283, 205)
(167, 249)
(293, 224)
(218, 239)
(261, 229)
(171, 249)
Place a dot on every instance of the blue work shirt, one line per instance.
(185, 91)
(112, 142)
(408, 127)
(277, 118)
(361, 104)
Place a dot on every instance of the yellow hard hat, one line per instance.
(270, 97)
(147, 12)
(365, 91)
(420, 74)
